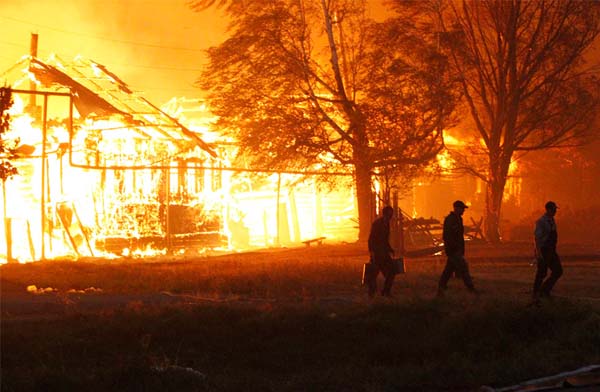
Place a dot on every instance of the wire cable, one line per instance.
(102, 38)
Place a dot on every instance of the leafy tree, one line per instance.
(520, 65)
(6, 149)
(319, 84)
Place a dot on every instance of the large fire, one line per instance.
(104, 173)
(98, 185)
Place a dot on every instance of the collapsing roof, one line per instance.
(99, 93)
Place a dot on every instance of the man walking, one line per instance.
(546, 238)
(454, 247)
(380, 251)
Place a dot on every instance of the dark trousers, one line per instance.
(458, 265)
(549, 260)
(383, 263)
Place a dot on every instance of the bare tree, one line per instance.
(319, 84)
(520, 65)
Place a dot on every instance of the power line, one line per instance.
(154, 67)
(197, 90)
(12, 44)
(102, 38)
(158, 2)
(121, 65)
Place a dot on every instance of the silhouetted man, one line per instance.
(380, 251)
(454, 246)
(546, 238)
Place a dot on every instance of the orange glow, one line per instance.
(444, 160)
(112, 213)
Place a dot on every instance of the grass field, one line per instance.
(291, 320)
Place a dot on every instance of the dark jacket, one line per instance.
(454, 241)
(546, 235)
(379, 238)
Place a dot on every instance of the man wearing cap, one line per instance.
(546, 238)
(454, 246)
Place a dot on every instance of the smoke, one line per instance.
(157, 47)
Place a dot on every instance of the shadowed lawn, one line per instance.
(291, 320)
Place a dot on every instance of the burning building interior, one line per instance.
(98, 165)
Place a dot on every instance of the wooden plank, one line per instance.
(318, 241)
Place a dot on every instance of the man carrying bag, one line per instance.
(381, 255)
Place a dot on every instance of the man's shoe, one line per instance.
(441, 293)
(535, 300)
(474, 291)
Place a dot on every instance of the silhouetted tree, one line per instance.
(520, 65)
(304, 84)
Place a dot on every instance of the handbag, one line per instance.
(367, 272)
(399, 265)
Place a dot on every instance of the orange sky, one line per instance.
(156, 46)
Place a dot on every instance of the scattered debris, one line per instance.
(89, 290)
(587, 376)
(35, 290)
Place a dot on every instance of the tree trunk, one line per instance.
(493, 202)
(363, 197)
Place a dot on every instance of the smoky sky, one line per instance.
(157, 47)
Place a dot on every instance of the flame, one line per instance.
(450, 140)
(444, 160)
(86, 208)
(513, 168)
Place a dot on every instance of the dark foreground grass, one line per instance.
(293, 320)
(455, 344)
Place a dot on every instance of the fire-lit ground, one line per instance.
(312, 273)
(292, 319)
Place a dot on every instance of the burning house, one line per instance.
(264, 207)
(97, 166)
(104, 171)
